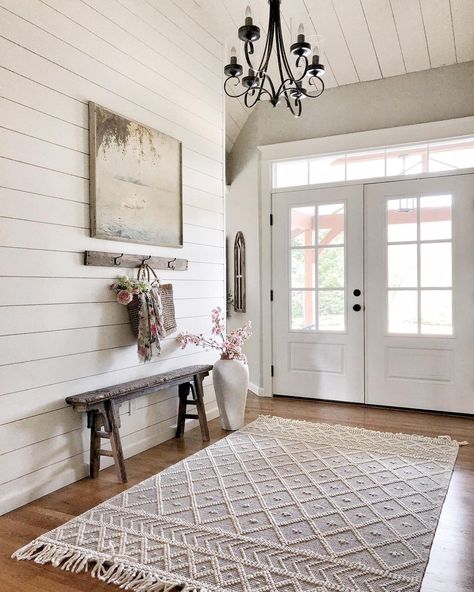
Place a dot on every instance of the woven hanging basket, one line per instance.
(166, 294)
(167, 302)
(133, 308)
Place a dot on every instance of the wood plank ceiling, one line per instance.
(360, 40)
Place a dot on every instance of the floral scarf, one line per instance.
(150, 326)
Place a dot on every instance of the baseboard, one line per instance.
(50, 478)
(256, 390)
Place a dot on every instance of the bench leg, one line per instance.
(199, 393)
(112, 412)
(94, 422)
(183, 392)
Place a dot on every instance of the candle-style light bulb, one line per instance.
(233, 52)
(301, 33)
(248, 16)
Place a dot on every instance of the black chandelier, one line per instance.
(258, 83)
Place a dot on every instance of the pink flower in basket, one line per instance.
(229, 346)
(124, 297)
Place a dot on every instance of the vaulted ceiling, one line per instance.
(360, 39)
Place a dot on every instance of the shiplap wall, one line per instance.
(61, 331)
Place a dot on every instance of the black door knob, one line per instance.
(356, 307)
(357, 292)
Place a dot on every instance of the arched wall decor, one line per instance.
(239, 273)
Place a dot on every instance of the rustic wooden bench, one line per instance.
(103, 418)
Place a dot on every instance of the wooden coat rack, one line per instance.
(104, 259)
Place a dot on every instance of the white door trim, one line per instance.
(379, 138)
(437, 130)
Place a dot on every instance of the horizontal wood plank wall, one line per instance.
(61, 332)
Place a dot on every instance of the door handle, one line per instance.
(357, 307)
(357, 292)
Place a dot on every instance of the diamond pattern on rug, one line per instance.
(279, 506)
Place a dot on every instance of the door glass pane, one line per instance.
(402, 266)
(327, 169)
(302, 226)
(401, 219)
(435, 265)
(290, 173)
(303, 310)
(364, 165)
(435, 217)
(436, 312)
(331, 224)
(331, 310)
(402, 311)
(302, 268)
(331, 267)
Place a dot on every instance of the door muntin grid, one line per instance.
(419, 265)
(317, 267)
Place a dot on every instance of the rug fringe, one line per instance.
(120, 574)
(440, 440)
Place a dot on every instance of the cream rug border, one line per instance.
(139, 578)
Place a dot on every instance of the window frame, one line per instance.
(344, 154)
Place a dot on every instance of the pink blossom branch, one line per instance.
(231, 345)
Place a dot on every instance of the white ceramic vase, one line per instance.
(231, 382)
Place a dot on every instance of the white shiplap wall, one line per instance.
(61, 332)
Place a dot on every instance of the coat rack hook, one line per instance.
(145, 259)
(118, 260)
(171, 264)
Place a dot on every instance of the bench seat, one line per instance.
(102, 408)
(136, 388)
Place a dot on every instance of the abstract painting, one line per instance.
(135, 181)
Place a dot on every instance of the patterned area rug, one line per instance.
(280, 505)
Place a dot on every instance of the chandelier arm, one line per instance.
(281, 50)
(306, 64)
(236, 84)
(258, 94)
(299, 107)
(267, 52)
(319, 91)
(249, 50)
(282, 89)
(267, 78)
(280, 59)
(290, 105)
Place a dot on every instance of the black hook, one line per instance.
(170, 264)
(116, 260)
(145, 259)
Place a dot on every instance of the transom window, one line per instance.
(382, 162)
(317, 255)
(419, 265)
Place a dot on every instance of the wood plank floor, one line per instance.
(452, 557)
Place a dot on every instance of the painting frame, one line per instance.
(96, 198)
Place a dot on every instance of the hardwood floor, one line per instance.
(452, 557)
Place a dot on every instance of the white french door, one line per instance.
(420, 293)
(413, 343)
(318, 326)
